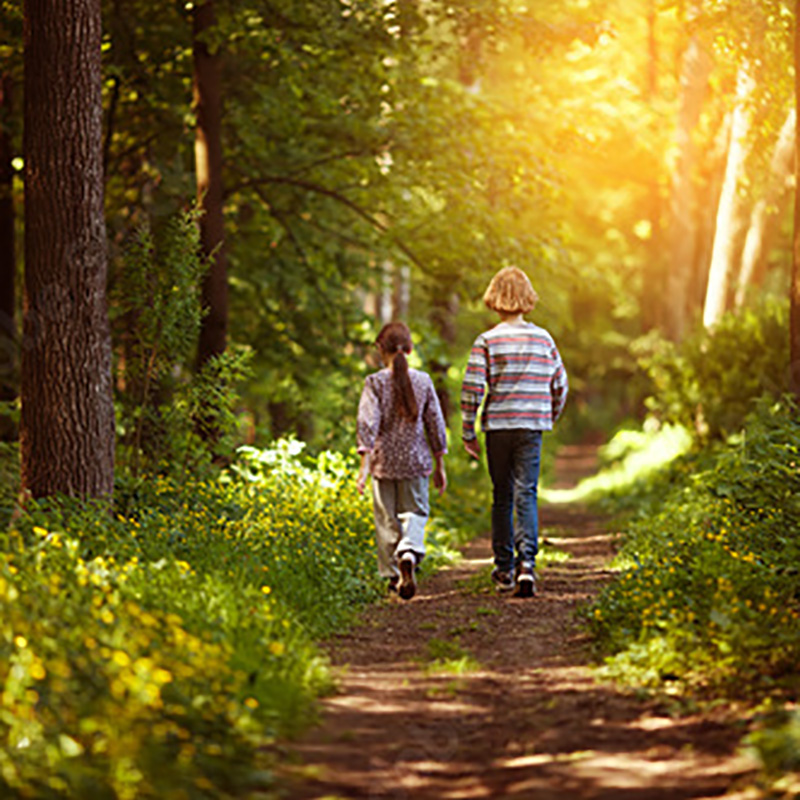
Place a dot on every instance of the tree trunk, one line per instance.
(208, 163)
(67, 430)
(652, 52)
(651, 298)
(682, 227)
(766, 212)
(8, 264)
(401, 292)
(443, 317)
(729, 210)
(794, 289)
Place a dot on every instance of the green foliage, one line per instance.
(711, 382)
(9, 464)
(448, 656)
(709, 590)
(170, 418)
(151, 652)
(775, 742)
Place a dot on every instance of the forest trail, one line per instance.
(528, 719)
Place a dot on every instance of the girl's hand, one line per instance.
(363, 471)
(473, 447)
(440, 478)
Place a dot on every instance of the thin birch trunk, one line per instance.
(682, 230)
(210, 191)
(766, 212)
(729, 211)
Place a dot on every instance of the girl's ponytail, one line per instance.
(396, 338)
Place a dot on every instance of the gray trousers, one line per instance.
(401, 511)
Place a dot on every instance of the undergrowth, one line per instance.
(706, 601)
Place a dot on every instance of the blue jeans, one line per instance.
(514, 459)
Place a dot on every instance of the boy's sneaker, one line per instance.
(526, 580)
(407, 587)
(503, 581)
(392, 584)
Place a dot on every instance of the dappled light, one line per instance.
(627, 460)
(544, 544)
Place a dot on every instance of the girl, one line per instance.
(398, 408)
(518, 366)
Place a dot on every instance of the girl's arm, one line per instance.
(439, 474)
(363, 472)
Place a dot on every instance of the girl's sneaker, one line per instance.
(408, 584)
(503, 581)
(526, 580)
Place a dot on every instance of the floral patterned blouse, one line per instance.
(399, 448)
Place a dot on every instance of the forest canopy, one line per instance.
(354, 161)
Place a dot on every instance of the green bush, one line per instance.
(709, 589)
(149, 653)
(171, 417)
(711, 382)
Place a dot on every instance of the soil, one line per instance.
(526, 715)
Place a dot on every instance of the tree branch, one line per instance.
(253, 183)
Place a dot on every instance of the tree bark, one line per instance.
(67, 428)
(682, 228)
(8, 263)
(766, 212)
(794, 288)
(729, 211)
(210, 191)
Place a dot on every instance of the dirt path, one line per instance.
(526, 718)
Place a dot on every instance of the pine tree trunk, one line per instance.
(8, 264)
(210, 193)
(67, 430)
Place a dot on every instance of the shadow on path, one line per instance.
(523, 717)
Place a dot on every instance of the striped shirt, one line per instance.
(526, 380)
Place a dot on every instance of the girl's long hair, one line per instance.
(396, 338)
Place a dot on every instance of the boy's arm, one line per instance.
(367, 424)
(559, 386)
(472, 391)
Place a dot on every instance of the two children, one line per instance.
(516, 365)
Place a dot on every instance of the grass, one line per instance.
(449, 657)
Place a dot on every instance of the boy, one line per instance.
(518, 366)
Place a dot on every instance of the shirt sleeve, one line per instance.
(473, 387)
(433, 420)
(369, 418)
(559, 385)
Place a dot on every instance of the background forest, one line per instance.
(356, 163)
(277, 179)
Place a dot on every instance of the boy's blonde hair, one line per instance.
(510, 292)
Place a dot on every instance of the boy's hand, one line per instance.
(473, 447)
